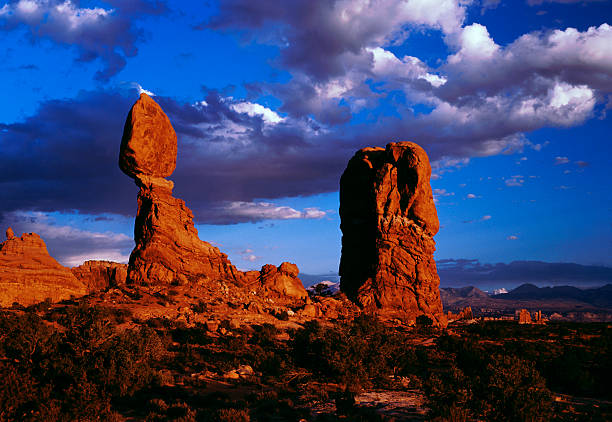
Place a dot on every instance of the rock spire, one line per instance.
(388, 220)
(168, 249)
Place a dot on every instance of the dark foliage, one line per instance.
(75, 373)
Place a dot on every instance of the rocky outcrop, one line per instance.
(100, 275)
(466, 314)
(524, 317)
(388, 220)
(28, 274)
(282, 280)
(168, 249)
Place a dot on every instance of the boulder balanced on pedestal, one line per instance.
(388, 220)
(168, 249)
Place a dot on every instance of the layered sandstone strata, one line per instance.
(28, 274)
(388, 220)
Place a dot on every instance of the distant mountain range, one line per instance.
(601, 296)
(313, 279)
(558, 298)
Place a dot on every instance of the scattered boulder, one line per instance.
(310, 311)
(100, 275)
(388, 220)
(28, 274)
(282, 280)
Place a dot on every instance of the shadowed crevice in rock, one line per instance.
(388, 220)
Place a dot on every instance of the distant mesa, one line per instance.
(168, 249)
(28, 274)
(388, 220)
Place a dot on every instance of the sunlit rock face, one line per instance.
(388, 220)
(168, 249)
(100, 275)
(28, 274)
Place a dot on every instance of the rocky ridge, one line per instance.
(388, 220)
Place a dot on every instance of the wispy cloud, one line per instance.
(69, 245)
(241, 212)
(517, 180)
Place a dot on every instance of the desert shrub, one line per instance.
(199, 307)
(515, 391)
(72, 374)
(466, 381)
(233, 415)
(357, 354)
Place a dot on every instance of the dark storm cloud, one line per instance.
(65, 158)
(110, 35)
(319, 44)
(462, 272)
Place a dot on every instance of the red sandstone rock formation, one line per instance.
(388, 220)
(100, 275)
(524, 317)
(282, 280)
(168, 249)
(28, 274)
(465, 315)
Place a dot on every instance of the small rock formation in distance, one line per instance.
(282, 280)
(388, 220)
(524, 317)
(168, 249)
(28, 274)
(100, 275)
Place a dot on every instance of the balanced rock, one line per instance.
(28, 274)
(100, 275)
(388, 220)
(168, 249)
(149, 142)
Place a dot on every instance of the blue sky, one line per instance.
(270, 99)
